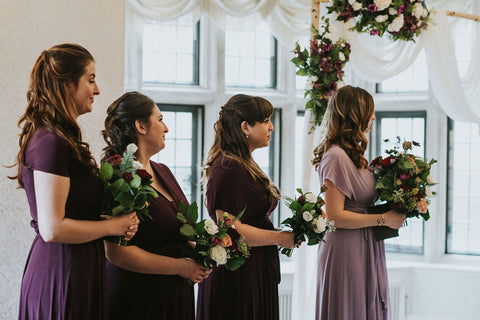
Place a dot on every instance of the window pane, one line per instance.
(409, 126)
(299, 137)
(463, 188)
(413, 79)
(250, 54)
(170, 52)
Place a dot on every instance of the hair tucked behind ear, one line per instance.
(120, 128)
(230, 141)
(348, 116)
(49, 105)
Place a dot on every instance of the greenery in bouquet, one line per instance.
(323, 66)
(216, 244)
(403, 180)
(308, 221)
(401, 19)
(127, 187)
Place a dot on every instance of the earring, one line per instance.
(247, 135)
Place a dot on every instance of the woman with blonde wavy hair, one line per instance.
(235, 182)
(64, 277)
(352, 277)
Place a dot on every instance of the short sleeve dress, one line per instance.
(135, 295)
(251, 292)
(352, 276)
(63, 281)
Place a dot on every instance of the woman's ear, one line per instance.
(140, 127)
(245, 128)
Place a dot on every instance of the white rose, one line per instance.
(137, 165)
(396, 24)
(132, 147)
(392, 11)
(350, 23)
(211, 227)
(320, 225)
(350, 2)
(382, 4)
(307, 216)
(313, 78)
(428, 192)
(357, 6)
(430, 179)
(341, 56)
(417, 10)
(381, 18)
(219, 254)
(310, 197)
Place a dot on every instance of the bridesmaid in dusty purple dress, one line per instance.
(147, 279)
(236, 182)
(64, 277)
(352, 276)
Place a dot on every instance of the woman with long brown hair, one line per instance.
(64, 277)
(352, 276)
(235, 182)
(147, 278)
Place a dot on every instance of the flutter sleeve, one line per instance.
(339, 169)
(49, 153)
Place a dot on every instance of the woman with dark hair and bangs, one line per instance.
(352, 276)
(64, 276)
(235, 182)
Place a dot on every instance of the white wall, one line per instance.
(26, 28)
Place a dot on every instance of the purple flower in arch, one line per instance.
(372, 7)
(401, 9)
(374, 32)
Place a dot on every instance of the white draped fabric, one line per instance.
(373, 59)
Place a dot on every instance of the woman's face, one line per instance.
(85, 90)
(259, 135)
(155, 135)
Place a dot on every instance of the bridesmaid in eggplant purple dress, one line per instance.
(64, 276)
(352, 276)
(236, 182)
(147, 278)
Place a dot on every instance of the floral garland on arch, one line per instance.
(401, 19)
(324, 68)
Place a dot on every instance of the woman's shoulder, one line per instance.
(46, 137)
(335, 152)
(227, 164)
(161, 168)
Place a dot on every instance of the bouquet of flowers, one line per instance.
(403, 180)
(127, 187)
(323, 67)
(402, 19)
(308, 220)
(215, 243)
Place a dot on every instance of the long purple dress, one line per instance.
(251, 292)
(352, 276)
(63, 281)
(135, 295)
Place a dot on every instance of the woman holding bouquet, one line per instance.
(352, 276)
(64, 277)
(146, 279)
(235, 182)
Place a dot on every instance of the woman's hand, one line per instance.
(125, 225)
(286, 240)
(193, 271)
(394, 219)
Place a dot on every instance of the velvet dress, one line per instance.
(135, 295)
(352, 276)
(62, 281)
(251, 292)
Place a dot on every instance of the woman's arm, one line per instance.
(335, 210)
(51, 192)
(257, 237)
(135, 259)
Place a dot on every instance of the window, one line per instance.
(182, 153)
(413, 79)
(409, 126)
(171, 52)
(250, 54)
(299, 138)
(463, 202)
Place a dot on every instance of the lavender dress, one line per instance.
(135, 295)
(352, 276)
(62, 281)
(251, 292)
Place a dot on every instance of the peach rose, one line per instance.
(422, 206)
(226, 242)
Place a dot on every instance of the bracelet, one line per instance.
(381, 221)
